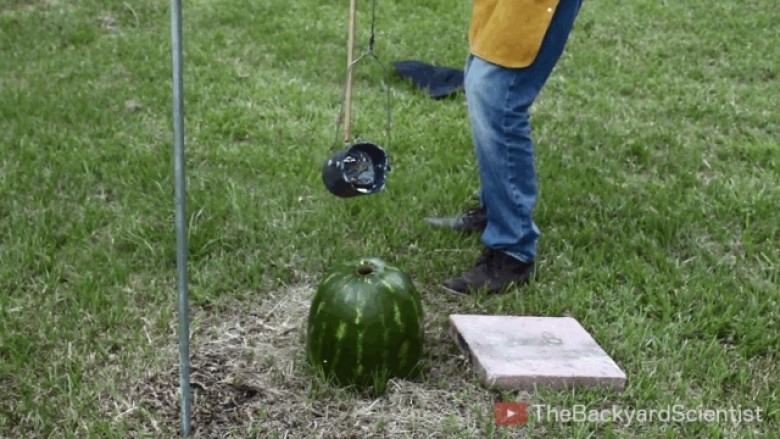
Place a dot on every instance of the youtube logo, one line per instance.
(511, 413)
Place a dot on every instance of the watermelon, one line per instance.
(365, 324)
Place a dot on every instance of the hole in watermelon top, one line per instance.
(365, 270)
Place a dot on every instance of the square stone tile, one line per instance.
(513, 352)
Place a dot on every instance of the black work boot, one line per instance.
(493, 272)
(472, 220)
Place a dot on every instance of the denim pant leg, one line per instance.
(499, 99)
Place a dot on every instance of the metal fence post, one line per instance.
(180, 206)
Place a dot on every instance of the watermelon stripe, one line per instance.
(341, 331)
(319, 309)
(359, 368)
(389, 286)
(329, 278)
(416, 306)
(403, 355)
(323, 331)
(360, 306)
(397, 317)
(336, 357)
(385, 336)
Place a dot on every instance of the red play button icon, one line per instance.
(511, 413)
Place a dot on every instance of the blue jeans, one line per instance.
(499, 99)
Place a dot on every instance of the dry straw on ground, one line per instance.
(250, 379)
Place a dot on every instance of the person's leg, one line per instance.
(499, 100)
(474, 219)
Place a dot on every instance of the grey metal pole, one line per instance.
(180, 205)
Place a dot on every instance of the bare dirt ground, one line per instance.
(250, 379)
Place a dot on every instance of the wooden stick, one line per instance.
(350, 58)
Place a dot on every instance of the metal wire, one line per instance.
(389, 104)
(180, 207)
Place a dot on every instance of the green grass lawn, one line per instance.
(659, 164)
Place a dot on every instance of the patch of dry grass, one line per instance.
(250, 379)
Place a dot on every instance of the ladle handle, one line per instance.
(350, 59)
